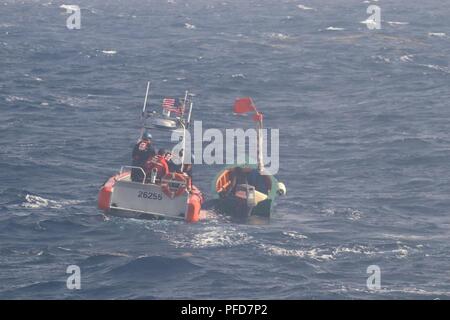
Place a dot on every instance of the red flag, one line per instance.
(244, 105)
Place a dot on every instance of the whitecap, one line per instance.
(401, 252)
(189, 26)
(278, 36)
(109, 52)
(36, 202)
(238, 75)
(407, 58)
(437, 34)
(357, 249)
(436, 67)
(303, 7)
(334, 29)
(294, 235)
(210, 237)
(397, 23)
(6, 25)
(69, 7)
(369, 22)
(314, 253)
(349, 213)
(15, 98)
(381, 58)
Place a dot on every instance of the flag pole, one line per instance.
(144, 109)
(184, 102)
(260, 143)
(191, 104)
(145, 100)
(259, 120)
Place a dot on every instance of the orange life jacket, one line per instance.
(159, 163)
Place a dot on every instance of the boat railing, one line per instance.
(122, 169)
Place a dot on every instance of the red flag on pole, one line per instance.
(244, 105)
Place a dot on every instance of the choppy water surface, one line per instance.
(364, 143)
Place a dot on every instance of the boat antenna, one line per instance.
(184, 146)
(144, 110)
(191, 104)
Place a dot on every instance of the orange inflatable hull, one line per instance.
(193, 206)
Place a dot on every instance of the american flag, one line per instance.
(169, 105)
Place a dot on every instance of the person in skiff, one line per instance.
(158, 164)
(142, 151)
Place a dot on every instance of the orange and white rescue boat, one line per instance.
(172, 198)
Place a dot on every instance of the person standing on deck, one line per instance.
(142, 151)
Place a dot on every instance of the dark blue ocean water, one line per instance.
(364, 142)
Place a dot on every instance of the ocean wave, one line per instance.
(407, 58)
(210, 237)
(294, 235)
(72, 101)
(349, 213)
(437, 34)
(109, 52)
(397, 23)
(436, 67)
(303, 7)
(396, 289)
(189, 26)
(277, 36)
(103, 258)
(314, 253)
(153, 266)
(69, 7)
(369, 22)
(16, 99)
(323, 253)
(357, 249)
(379, 58)
(331, 28)
(36, 202)
(238, 75)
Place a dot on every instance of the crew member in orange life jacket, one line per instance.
(142, 151)
(159, 163)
